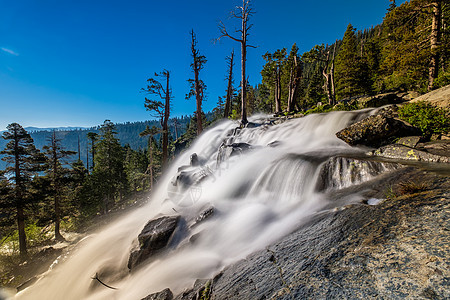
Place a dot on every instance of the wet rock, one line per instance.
(204, 215)
(226, 151)
(163, 295)
(397, 151)
(341, 172)
(155, 236)
(375, 131)
(410, 141)
(394, 250)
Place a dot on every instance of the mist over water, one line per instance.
(258, 196)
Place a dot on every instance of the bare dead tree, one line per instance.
(242, 13)
(160, 109)
(199, 87)
(230, 63)
(329, 75)
(295, 74)
(434, 42)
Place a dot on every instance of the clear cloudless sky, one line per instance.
(79, 62)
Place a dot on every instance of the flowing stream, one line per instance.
(262, 181)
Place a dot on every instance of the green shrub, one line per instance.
(427, 117)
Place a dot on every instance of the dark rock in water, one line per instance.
(274, 144)
(376, 131)
(163, 295)
(397, 151)
(227, 151)
(394, 250)
(205, 214)
(410, 141)
(155, 236)
(27, 283)
(341, 172)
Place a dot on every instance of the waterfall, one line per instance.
(261, 181)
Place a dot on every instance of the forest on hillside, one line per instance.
(56, 181)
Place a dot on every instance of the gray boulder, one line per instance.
(229, 150)
(155, 236)
(163, 295)
(410, 141)
(376, 131)
(380, 100)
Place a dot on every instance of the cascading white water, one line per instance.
(258, 196)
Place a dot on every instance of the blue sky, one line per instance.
(79, 62)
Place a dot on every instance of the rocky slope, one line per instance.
(396, 249)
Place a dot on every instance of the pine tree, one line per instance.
(351, 68)
(23, 162)
(93, 137)
(59, 177)
(392, 6)
(109, 169)
(272, 72)
(162, 110)
(230, 89)
(197, 85)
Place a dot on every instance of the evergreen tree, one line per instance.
(93, 137)
(59, 177)
(109, 170)
(230, 88)
(272, 72)
(197, 85)
(153, 159)
(23, 162)
(392, 6)
(351, 68)
(162, 110)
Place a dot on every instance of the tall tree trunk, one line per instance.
(434, 41)
(165, 133)
(21, 228)
(243, 79)
(19, 199)
(294, 79)
(227, 109)
(333, 91)
(329, 76)
(277, 91)
(58, 235)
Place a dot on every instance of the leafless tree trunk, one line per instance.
(434, 41)
(294, 81)
(329, 76)
(244, 12)
(227, 109)
(165, 127)
(277, 91)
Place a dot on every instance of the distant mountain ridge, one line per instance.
(67, 128)
(127, 133)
